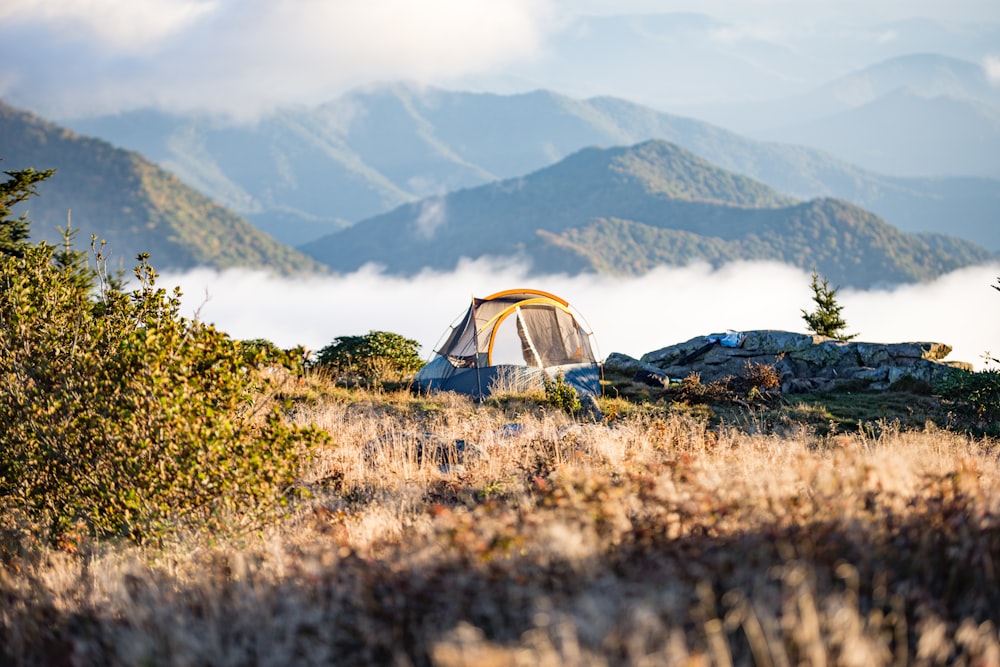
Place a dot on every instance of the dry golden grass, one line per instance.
(441, 532)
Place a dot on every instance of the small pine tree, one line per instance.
(14, 232)
(826, 319)
(73, 262)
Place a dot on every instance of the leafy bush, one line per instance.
(374, 358)
(260, 353)
(119, 417)
(561, 396)
(976, 394)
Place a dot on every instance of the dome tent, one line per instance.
(515, 338)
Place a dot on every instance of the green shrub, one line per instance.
(561, 396)
(119, 417)
(261, 353)
(977, 395)
(374, 358)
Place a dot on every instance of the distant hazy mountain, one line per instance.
(924, 74)
(909, 134)
(702, 66)
(132, 204)
(917, 115)
(302, 173)
(921, 74)
(666, 58)
(625, 210)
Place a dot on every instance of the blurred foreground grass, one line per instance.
(439, 531)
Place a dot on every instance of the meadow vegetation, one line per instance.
(439, 531)
(171, 496)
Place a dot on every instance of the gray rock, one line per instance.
(880, 374)
(797, 386)
(873, 354)
(627, 365)
(806, 362)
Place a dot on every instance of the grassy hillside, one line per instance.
(132, 204)
(625, 210)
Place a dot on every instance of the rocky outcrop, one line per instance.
(806, 362)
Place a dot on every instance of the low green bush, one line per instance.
(371, 359)
(261, 353)
(562, 396)
(976, 395)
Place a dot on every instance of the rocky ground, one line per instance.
(806, 363)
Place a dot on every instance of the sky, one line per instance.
(67, 58)
(72, 58)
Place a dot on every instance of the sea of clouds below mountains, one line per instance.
(629, 315)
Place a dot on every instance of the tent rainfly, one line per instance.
(513, 340)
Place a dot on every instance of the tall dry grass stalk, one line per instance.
(441, 532)
(513, 381)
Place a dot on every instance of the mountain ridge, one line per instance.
(347, 162)
(881, 133)
(925, 74)
(132, 204)
(671, 205)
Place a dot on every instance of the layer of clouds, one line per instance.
(122, 26)
(73, 57)
(629, 315)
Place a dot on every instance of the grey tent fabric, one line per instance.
(550, 338)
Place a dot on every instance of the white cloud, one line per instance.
(432, 215)
(70, 58)
(887, 36)
(992, 67)
(241, 56)
(733, 34)
(629, 315)
(124, 25)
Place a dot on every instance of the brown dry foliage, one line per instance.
(758, 382)
(650, 540)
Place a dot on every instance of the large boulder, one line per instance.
(806, 362)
